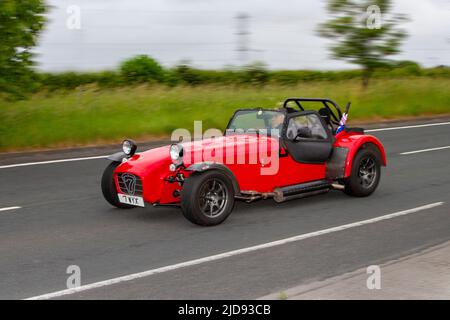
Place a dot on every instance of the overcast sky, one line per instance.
(281, 33)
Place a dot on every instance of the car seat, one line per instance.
(325, 115)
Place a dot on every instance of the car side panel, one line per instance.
(272, 170)
(250, 179)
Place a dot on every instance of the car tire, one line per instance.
(207, 198)
(365, 174)
(109, 187)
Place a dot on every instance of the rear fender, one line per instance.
(354, 143)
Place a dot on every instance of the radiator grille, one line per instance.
(130, 184)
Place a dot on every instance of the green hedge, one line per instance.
(143, 69)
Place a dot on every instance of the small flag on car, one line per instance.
(343, 119)
(342, 123)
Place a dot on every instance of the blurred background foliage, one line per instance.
(143, 99)
(20, 24)
(361, 39)
(144, 69)
(21, 21)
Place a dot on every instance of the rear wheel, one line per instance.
(207, 198)
(365, 174)
(109, 187)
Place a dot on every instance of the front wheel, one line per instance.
(109, 187)
(365, 174)
(207, 199)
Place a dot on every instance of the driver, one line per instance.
(276, 122)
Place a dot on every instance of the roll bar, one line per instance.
(336, 114)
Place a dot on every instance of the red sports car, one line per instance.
(283, 154)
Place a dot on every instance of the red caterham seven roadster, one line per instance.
(284, 153)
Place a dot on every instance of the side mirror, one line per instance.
(303, 132)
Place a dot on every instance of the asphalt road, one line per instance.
(63, 220)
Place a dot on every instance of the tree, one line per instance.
(20, 23)
(141, 68)
(364, 33)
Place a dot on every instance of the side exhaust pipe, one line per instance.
(337, 186)
(250, 196)
(302, 190)
(283, 198)
(296, 191)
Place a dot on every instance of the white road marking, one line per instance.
(230, 253)
(409, 127)
(105, 156)
(9, 208)
(51, 161)
(425, 150)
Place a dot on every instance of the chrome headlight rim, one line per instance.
(176, 153)
(129, 147)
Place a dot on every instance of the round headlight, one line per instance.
(176, 152)
(129, 147)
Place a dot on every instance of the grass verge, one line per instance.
(91, 116)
